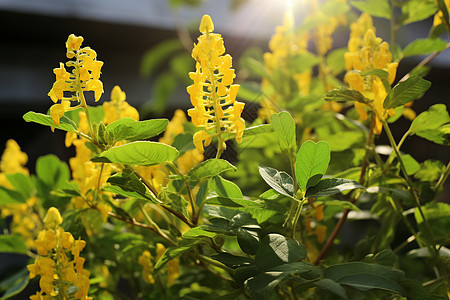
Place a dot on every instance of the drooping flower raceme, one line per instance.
(366, 52)
(61, 278)
(213, 95)
(83, 77)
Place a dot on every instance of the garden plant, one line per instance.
(209, 205)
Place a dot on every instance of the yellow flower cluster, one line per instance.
(284, 45)
(439, 17)
(213, 95)
(118, 108)
(58, 275)
(146, 261)
(366, 52)
(83, 77)
(25, 221)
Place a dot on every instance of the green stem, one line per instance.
(215, 263)
(432, 247)
(156, 227)
(188, 190)
(443, 178)
(297, 216)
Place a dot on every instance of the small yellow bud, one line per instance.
(53, 217)
(206, 25)
(74, 42)
(117, 95)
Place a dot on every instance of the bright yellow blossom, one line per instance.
(57, 273)
(83, 77)
(213, 95)
(439, 17)
(366, 53)
(118, 108)
(145, 260)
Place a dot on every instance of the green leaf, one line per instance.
(345, 95)
(331, 186)
(129, 185)
(424, 47)
(411, 165)
(332, 286)
(21, 183)
(417, 10)
(311, 163)
(437, 215)
(376, 8)
(141, 153)
(202, 193)
(335, 60)
(209, 168)
(341, 204)
(12, 244)
(439, 135)
(258, 129)
(233, 261)
(225, 188)
(342, 140)
(284, 126)
(430, 170)
(249, 91)
(8, 196)
(406, 91)
(14, 284)
(197, 232)
(132, 130)
(305, 61)
(172, 252)
(163, 88)
(281, 182)
(340, 271)
(65, 124)
(365, 282)
(276, 249)
(431, 119)
(52, 171)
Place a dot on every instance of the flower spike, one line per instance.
(213, 93)
(84, 76)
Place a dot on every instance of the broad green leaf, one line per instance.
(311, 163)
(439, 135)
(8, 196)
(164, 87)
(14, 284)
(417, 10)
(141, 153)
(430, 170)
(197, 232)
(433, 118)
(132, 130)
(202, 193)
(424, 47)
(225, 188)
(437, 215)
(341, 204)
(175, 201)
(249, 91)
(332, 286)
(52, 171)
(239, 203)
(345, 95)
(411, 165)
(376, 8)
(406, 91)
(276, 249)
(12, 244)
(340, 271)
(21, 183)
(284, 126)
(331, 186)
(65, 124)
(367, 281)
(342, 140)
(209, 168)
(183, 142)
(281, 182)
(129, 185)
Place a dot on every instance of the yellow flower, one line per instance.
(213, 95)
(439, 17)
(56, 272)
(84, 76)
(145, 260)
(368, 52)
(13, 160)
(118, 108)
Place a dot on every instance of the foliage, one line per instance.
(144, 213)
